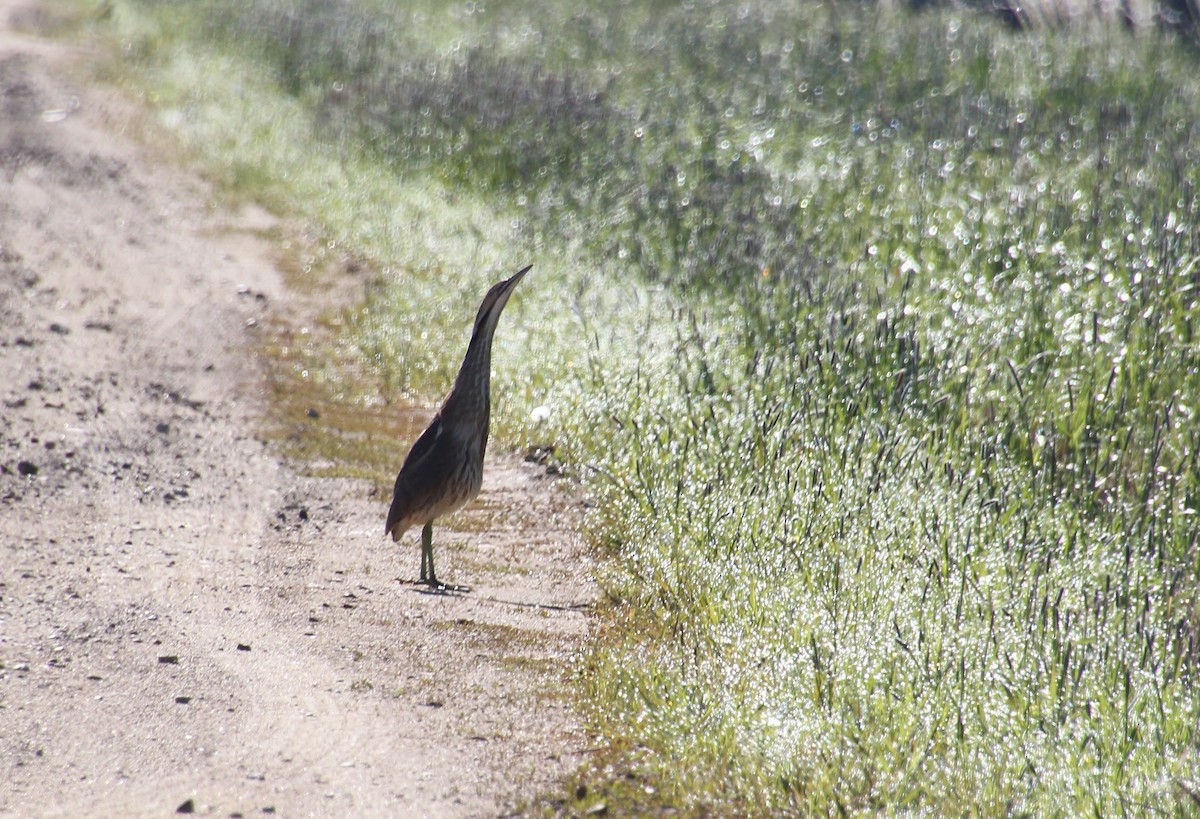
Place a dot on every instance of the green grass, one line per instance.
(874, 334)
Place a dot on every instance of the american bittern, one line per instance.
(444, 468)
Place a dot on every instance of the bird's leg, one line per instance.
(427, 554)
(430, 579)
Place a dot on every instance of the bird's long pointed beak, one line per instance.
(504, 289)
(516, 277)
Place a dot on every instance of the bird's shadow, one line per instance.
(441, 589)
(451, 590)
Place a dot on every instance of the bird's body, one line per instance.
(444, 468)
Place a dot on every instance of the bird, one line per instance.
(444, 469)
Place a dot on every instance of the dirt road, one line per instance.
(185, 624)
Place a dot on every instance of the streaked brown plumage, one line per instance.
(444, 468)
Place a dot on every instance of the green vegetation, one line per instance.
(875, 333)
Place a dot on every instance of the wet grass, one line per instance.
(874, 336)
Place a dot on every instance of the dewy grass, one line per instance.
(874, 334)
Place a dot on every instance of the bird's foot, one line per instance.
(434, 583)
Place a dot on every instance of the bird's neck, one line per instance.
(470, 396)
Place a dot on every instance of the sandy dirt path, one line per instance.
(185, 624)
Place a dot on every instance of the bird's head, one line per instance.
(494, 301)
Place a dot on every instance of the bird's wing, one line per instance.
(425, 443)
(425, 470)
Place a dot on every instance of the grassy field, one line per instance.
(874, 333)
